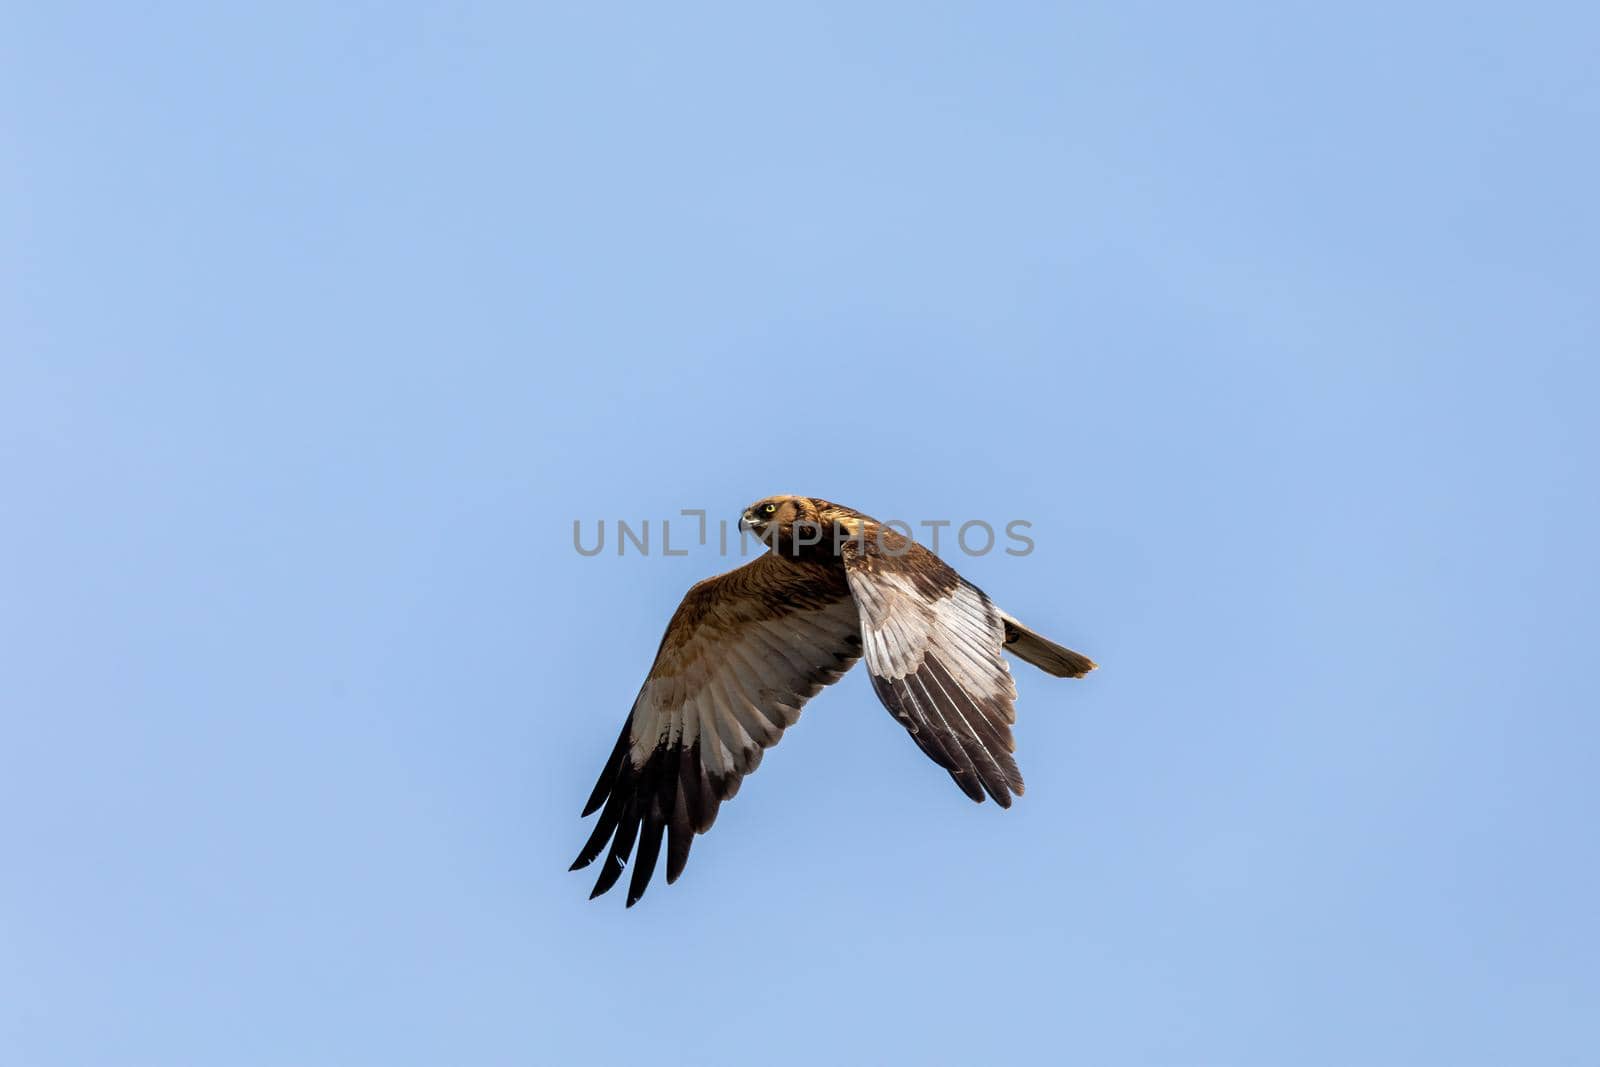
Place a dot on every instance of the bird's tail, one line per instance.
(1044, 653)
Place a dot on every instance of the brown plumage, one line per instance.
(745, 651)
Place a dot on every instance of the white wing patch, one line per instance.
(937, 666)
(737, 698)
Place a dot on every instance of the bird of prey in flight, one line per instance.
(745, 650)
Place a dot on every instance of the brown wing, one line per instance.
(743, 653)
(932, 643)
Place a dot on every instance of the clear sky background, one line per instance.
(321, 323)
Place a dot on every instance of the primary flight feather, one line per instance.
(745, 651)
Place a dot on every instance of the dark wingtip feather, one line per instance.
(617, 862)
(644, 864)
(678, 842)
(666, 801)
(602, 885)
(655, 823)
(973, 790)
(605, 826)
(680, 827)
(608, 777)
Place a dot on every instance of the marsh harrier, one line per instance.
(745, 650)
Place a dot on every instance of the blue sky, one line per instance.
(320, 324)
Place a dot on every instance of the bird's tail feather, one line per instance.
(1044, 653)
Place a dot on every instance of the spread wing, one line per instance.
(743, 653)
(932, 644)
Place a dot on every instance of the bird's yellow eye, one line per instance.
(770, 508)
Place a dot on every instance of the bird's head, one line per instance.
(773, 518)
